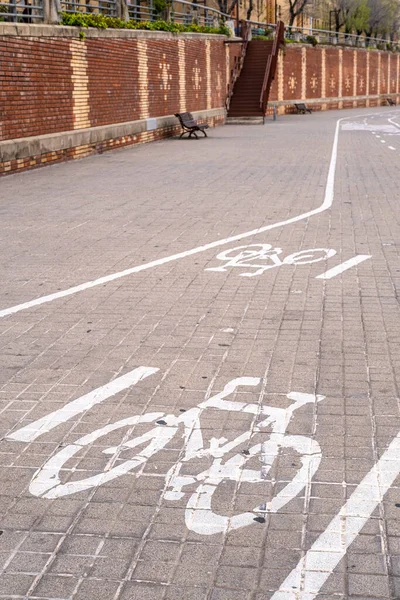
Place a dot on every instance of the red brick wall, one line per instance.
(314, 81)
(112, 71)
(35, 86)
(54, 84)
(36, 81)
(333, 77)
(58, 84)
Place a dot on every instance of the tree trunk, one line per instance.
(249, 10)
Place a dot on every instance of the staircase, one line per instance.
(251, 80)
(245, 101)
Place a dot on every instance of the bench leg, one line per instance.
(203, 131)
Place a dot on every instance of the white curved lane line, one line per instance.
(315, 567)
(394, 123)
(327, 203)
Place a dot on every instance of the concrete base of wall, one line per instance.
(28, 153)
(286, 107)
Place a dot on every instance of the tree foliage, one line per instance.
(374, 18)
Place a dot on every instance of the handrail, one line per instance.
(196, 6)
(271, 65)
(336, 35)
(245, 35)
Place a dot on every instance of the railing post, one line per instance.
(122, 10)
(51, 11)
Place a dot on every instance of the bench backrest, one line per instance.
(300, 105)
(186, 119)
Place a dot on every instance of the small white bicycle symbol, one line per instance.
(263, 257)
(199, 515)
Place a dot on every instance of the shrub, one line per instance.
(105, 22)
(310, 39)
(3, 10)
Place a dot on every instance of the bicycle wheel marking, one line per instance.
(262, 257)
(199, 515)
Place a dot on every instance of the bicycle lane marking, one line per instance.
(313, 570)
(327, 203)
(199, 516)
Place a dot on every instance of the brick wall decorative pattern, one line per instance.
(330, 78)
(54, 86)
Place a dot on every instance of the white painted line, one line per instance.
(313, 570)
(327, 203)
(394, 123)
(80, 405)
(391, 148)
(347, 264)
(383, 142)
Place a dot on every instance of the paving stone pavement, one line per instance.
(269, 394)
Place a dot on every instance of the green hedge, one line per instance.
(104, 22)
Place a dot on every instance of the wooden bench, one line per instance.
(189, 125)
(302, 108)
(390, 101)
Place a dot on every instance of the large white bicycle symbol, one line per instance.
(199, 515)
(263, 257)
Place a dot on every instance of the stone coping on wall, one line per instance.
(42, 144)
(66, 31)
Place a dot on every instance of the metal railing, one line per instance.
(180, 11)
(272, 62)
(323, 36)
(187, 13)
(21, 11)
(142, 11)
(104, 7)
